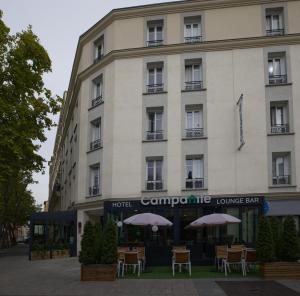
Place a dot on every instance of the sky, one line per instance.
(58, 24)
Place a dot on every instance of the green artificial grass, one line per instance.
(198, 272)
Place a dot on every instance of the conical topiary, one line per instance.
(265, 246)
(87, 253)
(289, 244)
(109, 249)
(276, 235)
(98, 243)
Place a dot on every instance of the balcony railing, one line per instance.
(281, 180)
(155, 88)
(193, 39)
(275, 32)
(98, 58)
(280, 128)
(97, 101)
(96, 144)
(277, 79)
(94, 190)
(194, 132)
(155, 135)
(194, 85)
(154, 42)
(195, 183)
(154, 185)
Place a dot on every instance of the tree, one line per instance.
(276, 235)
(265, 246)
(25, 108)
(87, 253)
(110, 244)
(289, 242)
(98, 244)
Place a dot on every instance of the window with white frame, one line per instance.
(281, 168)
(279, 118)
(192, 29)
(155, 131)
(97, 91)
(94, 180)
(274, 22)
(155, 78)
(277, 68)
(194, 122)
(193, 75)
(95, 134)
(154, 174)
(155, 33)
(194, 172)
(98, 49)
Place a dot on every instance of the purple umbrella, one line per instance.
(148, 219)
(214, 220)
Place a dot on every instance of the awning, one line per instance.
(284, 208)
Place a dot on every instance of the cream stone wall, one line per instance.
(295, 73)
(127, 123)
(173, 29)
(174, 173)
(230, 73)
(293, 17)
(235, 22)
(86, 58)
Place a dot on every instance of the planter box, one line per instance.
(98, 272)
(37, 255)
(60, 254)
(280, 270)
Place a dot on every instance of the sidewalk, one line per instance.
(18, 276)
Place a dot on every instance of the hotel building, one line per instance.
(183, 109)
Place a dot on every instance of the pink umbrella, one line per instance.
(214, 219)
(148, 219)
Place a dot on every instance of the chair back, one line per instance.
(234, 256)
(182, 256)
(237, 247)
(131, 258)
(221, 251)
(179, 248)
(250, 256)
(123, 249)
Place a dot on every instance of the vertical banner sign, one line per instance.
(241, 129)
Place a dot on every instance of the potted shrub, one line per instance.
(98, 256)
(281, 260)
(60, 251)
(39, 252)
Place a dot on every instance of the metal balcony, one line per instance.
(275, 32)
(193, 39)
(155, 135)
(277, 79)
(95, 144)
(195, 183)
(155, 88)
(94, 190)
(194, 85)
(154, 43)
(280, 128)
(97, 101)
(194, 132)
(281, 180)
(154, 185)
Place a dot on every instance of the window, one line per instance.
(277, 68)
(193, 75)
(154, 175)
(98, 49)
(94, 180)
(194, 173)
(155, 33)
(281, 169)
(155, 131)
(97, 91)
(155, 78)
(95, 134)
(279, 118)
(194, 119)
(274, 22)
(192, 29)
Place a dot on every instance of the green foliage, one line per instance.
(289, 244)
(98, 243)
(110, 244)
(87, 253)
(25, 109)
(276, 235)
(264, 245)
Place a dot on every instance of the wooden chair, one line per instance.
(220, 254)
(233, 258)
(131, 259)
(250, 259)
(237, 247)
(181, 257)
(121, 257)
(142, 256)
